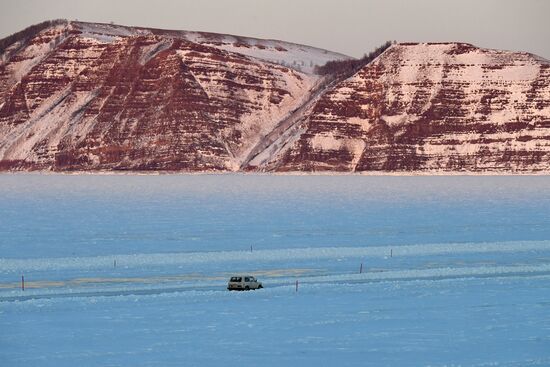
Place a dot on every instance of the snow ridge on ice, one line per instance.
(141, 260)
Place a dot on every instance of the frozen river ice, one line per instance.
(131, 270)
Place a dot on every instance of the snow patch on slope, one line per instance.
(32, 54)
(106, 33)
(298, 57)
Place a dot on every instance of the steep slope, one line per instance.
(429, 107)
(82, 96)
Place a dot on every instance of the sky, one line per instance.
(352, 27)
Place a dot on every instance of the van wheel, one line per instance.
(260, 287)
(247, 288)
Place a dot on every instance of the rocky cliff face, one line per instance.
(81, 96)
(430, 107)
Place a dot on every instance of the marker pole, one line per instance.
(22, 282)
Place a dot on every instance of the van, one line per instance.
(243, 283)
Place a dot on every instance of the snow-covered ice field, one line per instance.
(131, 270)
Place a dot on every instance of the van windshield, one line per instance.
(235, 279)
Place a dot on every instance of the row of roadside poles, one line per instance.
(297, 282)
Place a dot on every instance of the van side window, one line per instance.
(247, 279)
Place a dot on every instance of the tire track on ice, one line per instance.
(394, 275)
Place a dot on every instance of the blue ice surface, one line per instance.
(87, 215)
(500, 320)
(466, 322)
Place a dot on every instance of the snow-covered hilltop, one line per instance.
(85, 96)
(300, 57)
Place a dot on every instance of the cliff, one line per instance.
(91, 97)
(431, 108)
(82, 96)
